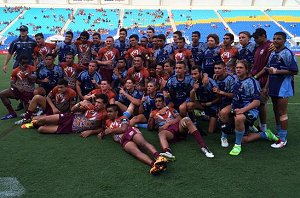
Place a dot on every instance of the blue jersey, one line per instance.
(205, 92)
(226, 85)
(282, 85)
(22, 47)
(96, 48)
(163, 54)
(124, 100)
(116, 80)
(64, 49)
(211, 55)
(245, 91)
(198, 52)
(86, 81)
(53, 75)
(247, 52)
(149, 104)
(179, 90)
(122, 46)
(175, 47)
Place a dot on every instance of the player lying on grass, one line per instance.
(86, 118)
(132, 140)
(171, 127)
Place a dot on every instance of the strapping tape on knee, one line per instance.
(283, 117)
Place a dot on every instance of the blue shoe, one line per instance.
(9, 116)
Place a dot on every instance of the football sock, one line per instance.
(239, 137)
(10, 109)
(143, 126)
(199, 138)
(28, 114)
(263, 135)
(155, 155)
(167, 150)
(224, 135)
(263, 127)
(278, 128)
(282, 134)
(127, 114)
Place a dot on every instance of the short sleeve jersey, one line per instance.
(282, 85)
(163, 54)
(64, 49)
(21, 78)
(62, 101)
(161, 119)
(86, 81)
(211, 55)
(52, 74)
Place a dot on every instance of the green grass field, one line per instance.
(70, 166)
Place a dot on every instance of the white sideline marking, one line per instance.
(10, 187)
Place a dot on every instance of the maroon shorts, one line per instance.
(174, 129)
(48, 109)
(23, 96)
(65, 123)
(128, 136)
(106, 74)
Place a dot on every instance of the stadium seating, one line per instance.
(46, 20)
(204, 21)
(249, 20)
(8, 14)
(104, 20)
(289, 19)
(137, 21)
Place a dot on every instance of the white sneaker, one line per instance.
(168, 155)
(207, 152)
(224, 142)
(279, 144)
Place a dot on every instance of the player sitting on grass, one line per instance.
(244, 103)
(22, 87)
(86, 118)
(171, 127)
(203, 98)
(129, 98)
(147, 105)
(60, 100)
(132, 139)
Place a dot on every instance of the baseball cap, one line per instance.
(259, 32)
(23, 27)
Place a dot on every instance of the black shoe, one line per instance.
(19, 107)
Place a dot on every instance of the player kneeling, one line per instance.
(132, 139)
(172, 128)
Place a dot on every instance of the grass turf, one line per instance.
(70, 166)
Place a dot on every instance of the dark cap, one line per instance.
(23, 27)
(259, 32)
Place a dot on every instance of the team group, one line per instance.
(119, 86)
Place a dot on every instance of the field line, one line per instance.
(10, 187)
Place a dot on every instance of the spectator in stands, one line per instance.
(23, 45)
(65, 47)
